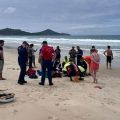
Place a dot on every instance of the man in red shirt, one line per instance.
(46, 57)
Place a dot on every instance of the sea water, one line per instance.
(66, 42)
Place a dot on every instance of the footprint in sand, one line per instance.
(52, 118)
(57, 104)
(63, 99)
(55, 95)
(64, 110)
(13, 68)
(43, 98)
(15, 111)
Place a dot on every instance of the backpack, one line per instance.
(31, 72)
(47, 53)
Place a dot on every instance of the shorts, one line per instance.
(109, 59)
(1, 65)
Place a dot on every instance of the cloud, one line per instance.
(9, 10)
(94, 26)
(73, 16)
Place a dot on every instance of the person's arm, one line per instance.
(35, 50)
(69, 52)
(90, 51)
(112, 54)
(95, 61)
(105, 52)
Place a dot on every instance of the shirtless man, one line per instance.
(109, 56)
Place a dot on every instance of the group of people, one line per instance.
(50, 59)
(26, 57)
(78, 64)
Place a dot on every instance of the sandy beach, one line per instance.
(65, 100)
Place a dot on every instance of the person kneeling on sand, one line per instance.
(71, 69)
(1, 59)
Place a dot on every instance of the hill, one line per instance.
(9, 31)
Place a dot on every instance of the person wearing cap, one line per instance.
(1, 59)
(22, 60)
(46, 56)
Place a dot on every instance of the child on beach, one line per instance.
(95, 60)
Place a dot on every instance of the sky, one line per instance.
(76, 17)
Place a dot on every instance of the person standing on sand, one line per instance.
(22, 59)
(95, 60)
(1, 59)
(79, 55)
(46, 56)
(30, 55)
(72, 54)
(58, 55)
(109, 56)
(33, 56)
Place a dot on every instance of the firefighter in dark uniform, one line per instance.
(22, 61)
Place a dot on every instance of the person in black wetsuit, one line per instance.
(22, 60)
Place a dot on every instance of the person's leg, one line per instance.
(74, 61)
(49, 72)
(22, 73)
(0, 75)
(110, 66)
(107, 60)
(30, 62)
(59, 60)
(33, 60)
(93, 75)
(77, 62)
(81, 76)
(110, 60)
(95, 79)
(1, 69)
(107, 65)
(43, 72)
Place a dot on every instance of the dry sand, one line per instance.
(65, 100)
